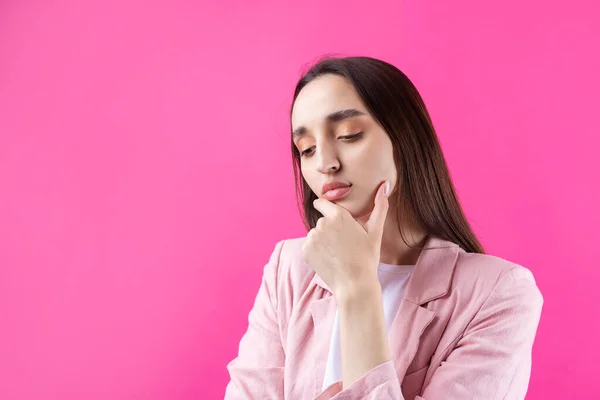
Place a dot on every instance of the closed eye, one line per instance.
(354, 136)
(305, 152)
(348, 138)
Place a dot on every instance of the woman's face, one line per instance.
(326, 111)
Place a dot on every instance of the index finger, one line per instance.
(328, 208)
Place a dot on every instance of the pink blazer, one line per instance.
(464, 330)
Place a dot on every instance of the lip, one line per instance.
(336, 194)
(334, 185)
(334, 190)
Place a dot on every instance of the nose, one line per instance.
(327, 160)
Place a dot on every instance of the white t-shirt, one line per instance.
(393, 279)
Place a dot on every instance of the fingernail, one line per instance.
(387, 188)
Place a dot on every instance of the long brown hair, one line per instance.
(427, 192)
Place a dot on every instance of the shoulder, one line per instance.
(290, 249)
(287, 252)
(293, 275)
(490, 278)
(487, 268)
(294, 271)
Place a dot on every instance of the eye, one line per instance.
(351, 137)
(348, 138)
(305, 152)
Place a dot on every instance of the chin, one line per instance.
(354, 208)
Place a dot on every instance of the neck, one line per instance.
(393, 249)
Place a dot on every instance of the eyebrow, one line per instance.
(336, 116)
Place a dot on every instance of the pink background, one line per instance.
(145, 174)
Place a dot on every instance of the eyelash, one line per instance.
(350, 138)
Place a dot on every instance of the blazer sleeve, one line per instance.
(491, 360)
(257, 371)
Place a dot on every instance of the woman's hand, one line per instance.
(343, 252)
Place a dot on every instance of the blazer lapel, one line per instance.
(405, 334)
(430, 280)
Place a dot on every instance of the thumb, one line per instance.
(377, 219)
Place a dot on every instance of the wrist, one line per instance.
(361, 291)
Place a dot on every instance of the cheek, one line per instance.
(310, 178)
(375, 169)
(375, 164)
(382, 161)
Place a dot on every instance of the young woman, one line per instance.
(390, 294)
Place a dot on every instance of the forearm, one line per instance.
(363, 334)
